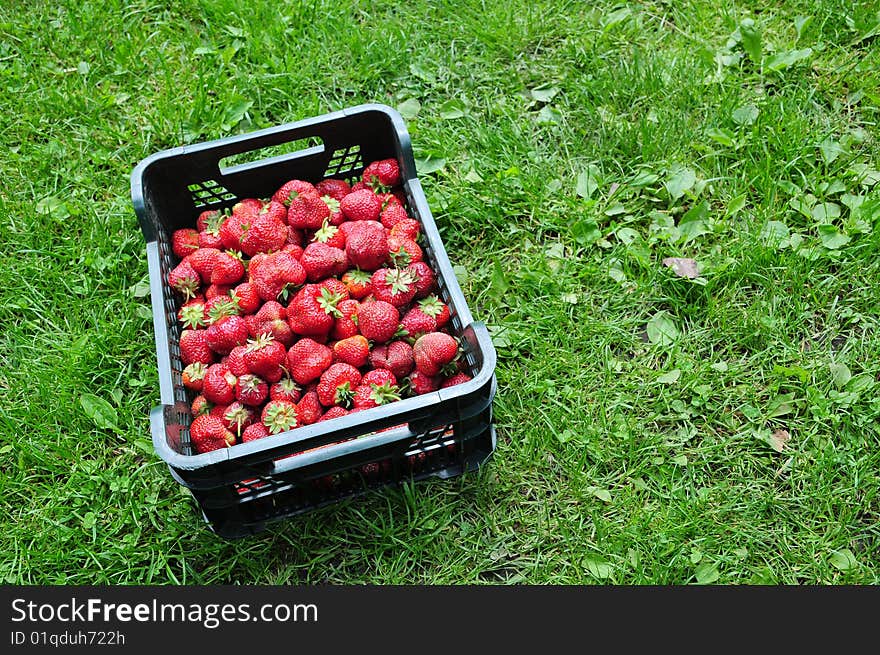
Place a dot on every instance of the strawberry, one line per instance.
(378, 321)
(208, 225)
(275, 374)
(393, 213)
(366, 245)
(184, 279)
(354, 350)
(184, 241)
(254, 431)
(251, 390)
(209, 240)
(193, 376)
(337, 384)
(363, 205)
(358, 186)
(369, 395)
(309, 408)
(428, 315)
(214, 290)
(194, 347)
(393, 285)
(320, 261)
(383, 173)
(219, 384)
(267, 231)
(425, 280)
(246, 297)
(406, 227)
(291, 190)
(403, 250)
(226, 333)
(307, 359)
(307, 211)
(203, 260)
(433, 351)
(208, 218)
(419, 383)
(227, 269)
(264, 355)
(279, 416)
(313, 310)
(277, 275)
(331, 235)
(232, 230)
(334, 412)
(389, 199)
(237, 417)
(272, 319)
(345, 325)
(235, 361)
(294, 242)
(247, 207)
(336, 189)
(358, 283)
(458, 378)
(379, 377)
(208, 433)
(396, 356)
(219, 307)
(201, 405)
(285, 389)
(192, 313)
(336, 216)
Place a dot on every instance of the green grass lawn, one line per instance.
(652, 429)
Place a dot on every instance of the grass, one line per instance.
(580, 146)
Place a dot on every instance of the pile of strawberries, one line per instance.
(307, 306)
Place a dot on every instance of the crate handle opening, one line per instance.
(306, 147)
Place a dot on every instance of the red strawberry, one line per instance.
(219, 384)
(294, 242)
(194, 347)
(277, 275)
(321, 261)
(209, 240)
(309, 408)
(307, 359)
(251, 390)
(393, 285)
(393, 214)
(235, 361)
(345, 325)
(246, 297)
(396, 356)
(264, 355)
(247, 207)
(279, 416)
(208, 225)
(336, 216)
(354, 350)
(336, 189)
(291, 190)
(227, 270)
(233, 228)
(208, 433)
(184, 241)
(404, 251)
(201, 405)
(208, 218)
(382, 173)
(237, 417)
(373, 395)
(337, 384)
(379, 377)
(275, 374)
(389, 199)
(184, 279)
(333, 412)
(193, 376)
(313, 310)
(425, 280)
(307, 211)
(358, 283)
(254, 431)
(219, 307)
(406, 227)
(358, 186)
(458, 378)
(331, 235)
(433, 351)
(267, 231)
(378, 321)
(227, 333)
(214, 290)
(203, 260)
(272, 319)
(363, 205)
(285, 389)
(429, 315)
(192, 313)
(366, 245)
(419, 383)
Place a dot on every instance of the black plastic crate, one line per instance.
(242, 488)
